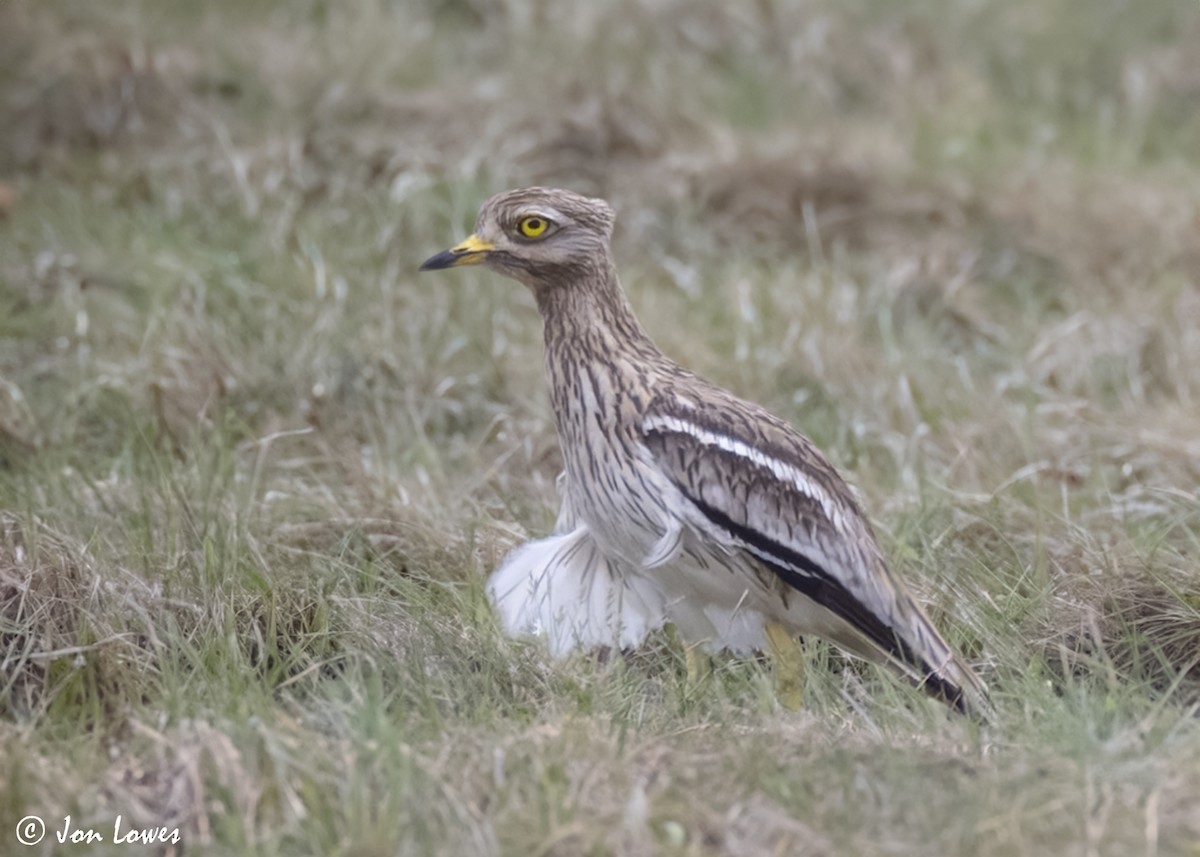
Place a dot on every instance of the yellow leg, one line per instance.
(788, 661)
(699, 667)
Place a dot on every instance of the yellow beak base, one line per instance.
(470, 252)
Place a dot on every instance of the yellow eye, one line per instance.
(533, 226)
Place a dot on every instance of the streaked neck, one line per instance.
(588, 312)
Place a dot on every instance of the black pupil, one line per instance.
(533, 224)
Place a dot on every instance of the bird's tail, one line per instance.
(886, 624)
(922, 653)
(955, 682)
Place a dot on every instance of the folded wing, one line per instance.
(760, 486)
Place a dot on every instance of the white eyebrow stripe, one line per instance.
(782, 470)
(546, 212)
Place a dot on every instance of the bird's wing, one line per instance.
(756, 483)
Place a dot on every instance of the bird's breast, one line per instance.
(597, 416)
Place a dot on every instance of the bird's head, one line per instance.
(539, 236)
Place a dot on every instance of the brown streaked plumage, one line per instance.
(681, 503)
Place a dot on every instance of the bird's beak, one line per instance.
(470, 252)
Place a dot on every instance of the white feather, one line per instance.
(667, 548)
(562, 589)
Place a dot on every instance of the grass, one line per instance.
(254, 470)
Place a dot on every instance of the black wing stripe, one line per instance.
(810, 579)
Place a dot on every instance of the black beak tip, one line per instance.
(436, 263)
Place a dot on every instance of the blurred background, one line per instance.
(253, 468)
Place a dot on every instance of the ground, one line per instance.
(254, 470)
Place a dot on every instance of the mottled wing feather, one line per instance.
(767, 489)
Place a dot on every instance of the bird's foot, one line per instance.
(699, 668)
(787, 661)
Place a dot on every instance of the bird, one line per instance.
(681, 503)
